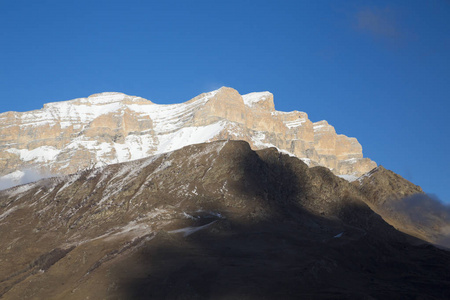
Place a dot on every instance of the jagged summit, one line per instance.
(108, 128)
(261, 100)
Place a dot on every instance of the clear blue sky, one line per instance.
(376, 70)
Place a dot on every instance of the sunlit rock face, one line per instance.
(64, 137)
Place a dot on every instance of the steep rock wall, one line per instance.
(106, 128)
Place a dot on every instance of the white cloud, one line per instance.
(20, 177)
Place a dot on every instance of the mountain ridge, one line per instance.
(105, 128)
(206, 221)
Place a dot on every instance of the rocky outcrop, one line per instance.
(382, 185)
(106, 128)
(208, 221)
(405, 206)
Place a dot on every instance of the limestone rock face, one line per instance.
(64, 137)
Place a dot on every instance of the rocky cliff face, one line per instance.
(106, 128)
(208, 221)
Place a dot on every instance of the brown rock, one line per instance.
(112, 127)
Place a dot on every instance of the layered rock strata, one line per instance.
(64, 137)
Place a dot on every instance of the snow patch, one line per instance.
(40, 154)
(368, 174)
(258, 140)
(191, 229)
(9, 211)
(338, 235)
(349, 178)
(168, 118)
(306, 160)
(253, 98)
(189, 136)
(295, 123)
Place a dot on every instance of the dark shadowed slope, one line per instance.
(209, 221)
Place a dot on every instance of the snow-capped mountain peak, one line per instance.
(107, 128)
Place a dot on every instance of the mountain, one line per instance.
(210, 221)
(405, 206)
(64, 137)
